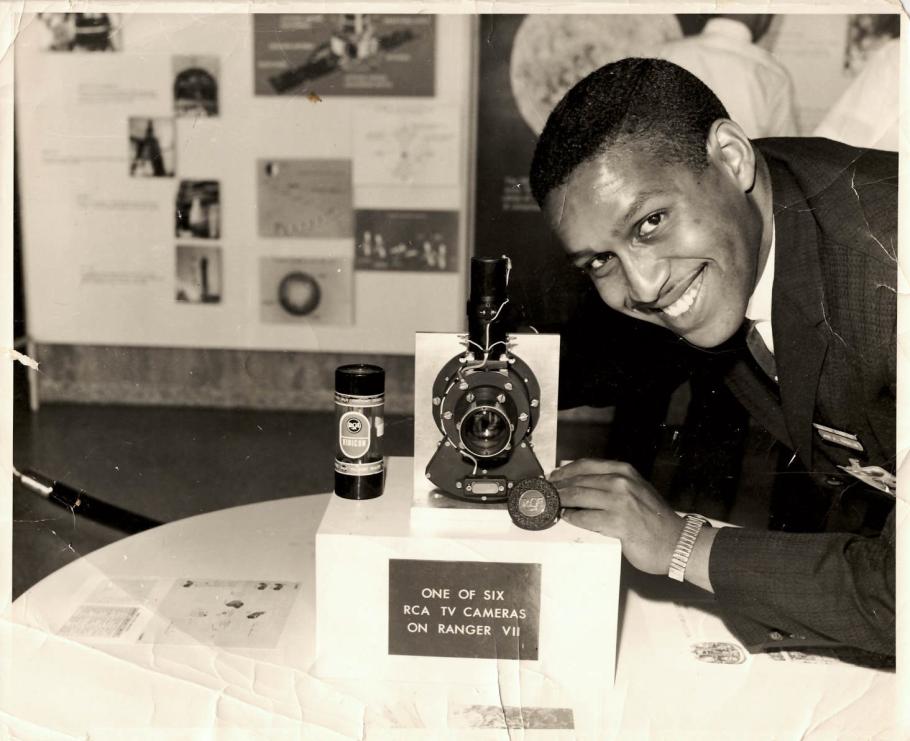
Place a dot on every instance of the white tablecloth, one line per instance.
(141, 686)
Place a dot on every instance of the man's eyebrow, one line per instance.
(639, 201)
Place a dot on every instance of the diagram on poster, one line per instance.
(306, 290)
(305, 198)
(350, 54)
(407, 145)
(406, 240)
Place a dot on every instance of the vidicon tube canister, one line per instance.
(359, 403)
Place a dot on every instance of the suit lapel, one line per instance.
(754, 394)
(798, 308)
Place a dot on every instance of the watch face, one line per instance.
(299, 293)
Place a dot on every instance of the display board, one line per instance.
(267, 181)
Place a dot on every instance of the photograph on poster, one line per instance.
(305, 198)
(305, 290)
(345, 54)
(152, 153)
(196, 85)
(550, 52)
(406, 240)
(198, 209)
(198, 274)
(868, 32)
(81, 31)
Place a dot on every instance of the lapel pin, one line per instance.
(874, 476)
(839, 437)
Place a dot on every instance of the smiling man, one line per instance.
(778, 255)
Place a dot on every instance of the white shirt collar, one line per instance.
(759, 307)
(728, 28)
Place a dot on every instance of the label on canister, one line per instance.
(363, 402)
(359, 469)
(354, 435)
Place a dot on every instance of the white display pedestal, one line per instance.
(530, 616)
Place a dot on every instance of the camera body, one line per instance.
(486, 402)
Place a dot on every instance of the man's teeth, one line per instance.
(684, 302)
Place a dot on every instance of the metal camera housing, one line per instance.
(486, 402)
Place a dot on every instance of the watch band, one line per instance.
(690, 531)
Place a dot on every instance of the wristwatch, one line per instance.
(690, 531)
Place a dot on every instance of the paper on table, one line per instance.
(699, 635)
(406, 710)
(511, 717)
(694, 649)
(115, 610)
(100, 621)
(224, 613)
(694, 634)
(233, 613)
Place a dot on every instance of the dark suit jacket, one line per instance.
(834, 320)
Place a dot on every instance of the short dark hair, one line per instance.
(651, 103)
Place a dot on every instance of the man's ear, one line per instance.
(729, 148)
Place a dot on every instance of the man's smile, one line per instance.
(681, 298)
(684, 303)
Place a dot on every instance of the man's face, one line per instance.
(662, 243)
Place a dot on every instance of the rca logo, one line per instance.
(354, 435)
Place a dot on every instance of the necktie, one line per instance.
(760, 351)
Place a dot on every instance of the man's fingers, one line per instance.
(588, 466)
(608, 482)
(585, 497)
(595, 520)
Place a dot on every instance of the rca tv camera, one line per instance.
(486, 403)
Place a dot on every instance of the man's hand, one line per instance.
(612, 498)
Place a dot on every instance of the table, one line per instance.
(60, 687)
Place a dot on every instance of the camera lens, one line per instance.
(485, 431)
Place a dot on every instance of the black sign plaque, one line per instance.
(467, 609)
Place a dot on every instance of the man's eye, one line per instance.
(600, 264)
(650, 224)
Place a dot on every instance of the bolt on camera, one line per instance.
(486, 404)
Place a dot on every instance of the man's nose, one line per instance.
(646, 277)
